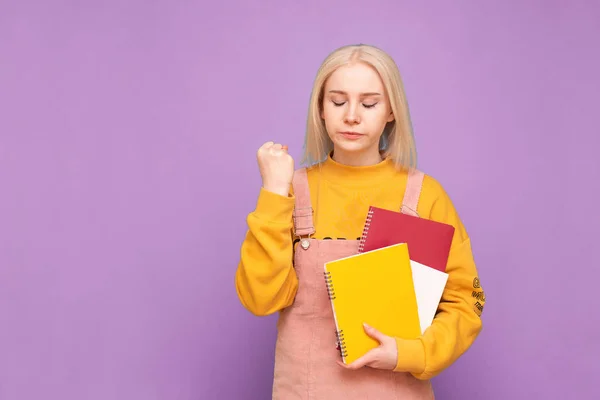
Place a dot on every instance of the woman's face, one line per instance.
(355, 110)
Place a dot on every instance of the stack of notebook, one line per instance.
(394, 283)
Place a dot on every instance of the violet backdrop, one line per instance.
(128, 133)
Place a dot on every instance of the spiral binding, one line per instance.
(363, 237)
(329, 284)
(338, 333)
(341, 343)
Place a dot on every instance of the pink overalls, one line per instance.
(305, 353)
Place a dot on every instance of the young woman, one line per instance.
(360, 152)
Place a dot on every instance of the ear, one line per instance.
(390, 117)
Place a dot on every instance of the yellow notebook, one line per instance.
(375, 287)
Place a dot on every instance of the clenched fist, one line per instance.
(276, 168)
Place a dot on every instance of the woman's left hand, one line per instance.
(385, 356)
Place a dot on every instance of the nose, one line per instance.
(351, 117)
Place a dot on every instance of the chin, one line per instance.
(352, 149)
(350, 146)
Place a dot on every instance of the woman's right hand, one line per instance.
(276, 168)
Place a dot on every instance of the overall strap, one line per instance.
(303, 211)
(412, 193)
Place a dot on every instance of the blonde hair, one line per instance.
(397, 139)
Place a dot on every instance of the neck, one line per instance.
(357, 159)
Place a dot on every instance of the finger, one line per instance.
(360, 362)
(284, 148)
(374, 333)
(276, 146)
(267, 145)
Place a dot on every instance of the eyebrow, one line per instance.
(362, 94)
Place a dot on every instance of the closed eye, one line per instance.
(364, 105)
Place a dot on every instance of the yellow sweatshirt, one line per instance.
(266, 281)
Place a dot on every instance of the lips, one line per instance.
(351, 135)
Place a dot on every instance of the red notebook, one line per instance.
(428, 241)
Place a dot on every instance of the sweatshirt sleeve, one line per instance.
(265, 279)
(458, 320)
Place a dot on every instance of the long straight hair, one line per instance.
(397, 140)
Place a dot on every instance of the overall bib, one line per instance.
(305, 351)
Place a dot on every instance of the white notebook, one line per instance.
(429, 287)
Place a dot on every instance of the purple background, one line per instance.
(128, 133)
